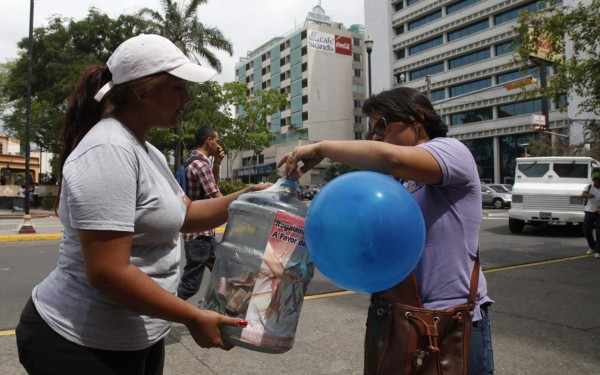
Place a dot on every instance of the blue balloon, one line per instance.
(364, 231)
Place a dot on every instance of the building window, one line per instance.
(411, 2)
(429, 70)
(400, 54)
(520, 108)
(439, 94)
(460, 5)
(398, 30)
(476, 115)
(512, 14)
(425, 20)
(471, 58)
(357, 104)
(468, 30)
(358, 119)
(358, 136)
(357, 72)
(357, 57)
(470, 86)
(399, 6)
(506, 47)
(428, 44)
(356, 42)
(252, 160)
(516, 74)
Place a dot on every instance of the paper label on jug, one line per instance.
(278, 293)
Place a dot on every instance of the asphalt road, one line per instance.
(546, 319)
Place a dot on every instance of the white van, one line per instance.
(547, 190)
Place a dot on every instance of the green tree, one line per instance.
(204, 109)
(61, 50)
(179, 23)
(248, 130)
(580, 72)
(336, 169)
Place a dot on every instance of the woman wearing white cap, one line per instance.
(106, 307)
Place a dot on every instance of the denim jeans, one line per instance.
(481, 353)
(199, 254)
(591, 223)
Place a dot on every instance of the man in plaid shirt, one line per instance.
(201, 180)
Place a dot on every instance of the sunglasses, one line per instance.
(380, 128)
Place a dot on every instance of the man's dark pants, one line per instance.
(199, 254)
(591, 222)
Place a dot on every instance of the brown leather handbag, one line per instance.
(403, 338)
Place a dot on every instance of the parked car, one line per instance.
(494, 195)
(505, 187)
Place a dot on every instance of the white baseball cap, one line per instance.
(147, 54)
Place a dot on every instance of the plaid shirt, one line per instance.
(201, 184)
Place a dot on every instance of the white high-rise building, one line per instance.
(321, 66)
(459, 52)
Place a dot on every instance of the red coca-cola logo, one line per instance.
(343, 45)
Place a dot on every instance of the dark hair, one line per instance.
(409, 106)
(202, 134)
(83, 111)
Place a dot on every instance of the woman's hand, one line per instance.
(258, 187)
(206, 327)
(309, 156)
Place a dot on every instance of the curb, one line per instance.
(52, 236)
(30, 237)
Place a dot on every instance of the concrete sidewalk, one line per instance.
(45, 223)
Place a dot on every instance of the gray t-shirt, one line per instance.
(452, 213)
(110, 182)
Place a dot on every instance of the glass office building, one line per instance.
(459, 53)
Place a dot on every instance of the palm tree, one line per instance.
(180, 24)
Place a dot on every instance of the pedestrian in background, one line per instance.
(107, 306)
(591, 214)
(201, 178)
(410, 143)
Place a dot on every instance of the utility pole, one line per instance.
(26, 227)
(369, 46)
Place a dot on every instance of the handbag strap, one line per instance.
(407, 291)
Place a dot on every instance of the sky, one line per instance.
(246, 23)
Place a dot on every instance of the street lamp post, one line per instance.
(369, 46)
(26, 227)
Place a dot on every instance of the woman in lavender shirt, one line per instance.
(410, 143)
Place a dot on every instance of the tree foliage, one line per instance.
(248, 130)
(336, 169)
(180, 24)
(60, 52)
(580, 72)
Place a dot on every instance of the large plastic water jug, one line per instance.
(262, 268)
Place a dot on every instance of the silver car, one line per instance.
(495, 195)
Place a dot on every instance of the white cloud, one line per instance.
(246, 23)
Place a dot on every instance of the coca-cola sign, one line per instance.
(343, 45)
(327, 42)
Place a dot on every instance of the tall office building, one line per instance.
(459, 53)
(320, 65)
